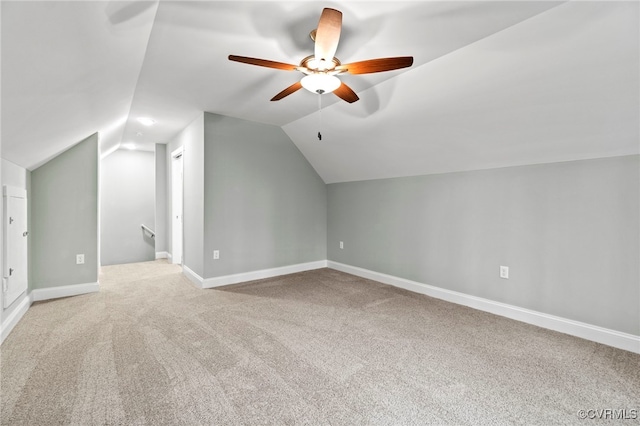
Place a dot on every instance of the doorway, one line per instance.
(176, 205)
(127, 206)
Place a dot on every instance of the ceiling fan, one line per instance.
(321, 68)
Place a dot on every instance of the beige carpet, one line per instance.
(319, 348)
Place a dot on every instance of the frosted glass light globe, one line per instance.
(320, 83)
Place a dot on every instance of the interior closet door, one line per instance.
(14, 281)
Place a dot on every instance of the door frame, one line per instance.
(177, 200)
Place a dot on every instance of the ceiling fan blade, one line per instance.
(346, 93)
(377, 65)
(289, 90)
(328, 34)
(263, 63)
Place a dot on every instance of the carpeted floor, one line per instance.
(318, 348)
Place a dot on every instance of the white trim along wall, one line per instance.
(199, 282)
(586, 331)
(41, 294)
(597, 334)
(63, 291)
(594, 333)
(14, 317)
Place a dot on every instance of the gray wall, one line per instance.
(265, 206)
(19, 177)
(64, 217)
(127, 191)
(14, 175)
(568, 232)
(171, 146)
(2, 315)
(193, 211)
(191, 139)
(161, 197)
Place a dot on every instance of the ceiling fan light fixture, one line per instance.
(320, 83)
(321, 68)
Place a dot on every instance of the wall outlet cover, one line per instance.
(79, 259)
(504, 272)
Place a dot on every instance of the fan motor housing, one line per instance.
(310, 63)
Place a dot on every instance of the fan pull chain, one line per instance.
(320, 119)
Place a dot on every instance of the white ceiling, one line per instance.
(69, 69)
(493, 83)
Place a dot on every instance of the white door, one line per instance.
(176, 206)
(14, 281)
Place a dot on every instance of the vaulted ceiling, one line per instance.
(493, 84)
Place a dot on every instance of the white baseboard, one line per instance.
(162, 255)
(63, 291)
(199, 282)
(39, 295)
(196, 279)
(261, 274)
(15, 317)
(594, 333)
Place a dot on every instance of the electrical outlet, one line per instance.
(216, 254)
(341, 244)
(504, 272)
(79, 259)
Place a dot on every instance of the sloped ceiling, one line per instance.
(493, 83)
(69, 69)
